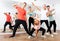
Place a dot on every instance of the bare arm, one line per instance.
(35, 6)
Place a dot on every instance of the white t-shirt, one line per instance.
(43, 14)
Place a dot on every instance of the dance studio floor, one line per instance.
(23, 37)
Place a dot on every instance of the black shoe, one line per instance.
(11, 36)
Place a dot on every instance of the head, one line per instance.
(29, 7)
(36, 22)
(44, 6)
(48, 7)
(9, 13)
(24, 4)
(16, 13)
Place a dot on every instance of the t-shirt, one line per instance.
(37, 14)
(21, 13)
(8, 18)
(51, 18)
(43, 15)
(37, 27)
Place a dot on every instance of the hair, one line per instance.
(47, 6)
(36, 22)
(16, 13)
(9, 12)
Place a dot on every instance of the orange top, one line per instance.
(8, 18)
(21, 13)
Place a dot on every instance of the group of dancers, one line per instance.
(37, 17)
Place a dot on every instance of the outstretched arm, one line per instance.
(35, 6)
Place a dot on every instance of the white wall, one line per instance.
(6, 6)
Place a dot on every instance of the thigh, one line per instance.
(41, 29)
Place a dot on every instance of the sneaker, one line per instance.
(52, 35)
(34, 34)
(43, 36)
(29, 37)
(47, 34)
(55, 33)
(12, 36)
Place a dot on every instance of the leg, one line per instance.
(17, 23)
(25, 26)
(5, 26)
(54, 24)
(31, 20)
(10, 26)
(36, 31)
(49, 28)
(43, 30)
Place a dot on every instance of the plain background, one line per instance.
(6, 6)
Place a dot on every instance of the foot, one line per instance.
(29, 37)
(55, 33)
(34, 34)
(11, 36)
(47, 34)
(52, 35)
(43, 36)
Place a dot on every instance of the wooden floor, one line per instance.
(23, 37)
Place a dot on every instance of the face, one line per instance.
(36, 22)
(25, 4)
(44, 6)
(29, 7)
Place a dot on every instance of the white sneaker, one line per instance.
(52, 35)
(34, 34)
(47, 34)
(29, 37)
(55, 33)
(43, 36)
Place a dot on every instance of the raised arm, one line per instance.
(35, 6)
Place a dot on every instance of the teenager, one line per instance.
(21, 18)
(8, 21)
(31, 19)
(51, 20)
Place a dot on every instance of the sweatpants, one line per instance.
(7, 23)
(17, 23)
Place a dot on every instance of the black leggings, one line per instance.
(31, 20)
(17, 23)
(41, 29)
(54, 25)
(7, 23)
(47, 24)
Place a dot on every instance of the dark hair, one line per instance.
(16, 13)
(47, 6)
(9, 12)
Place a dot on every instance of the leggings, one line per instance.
(31, 20)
